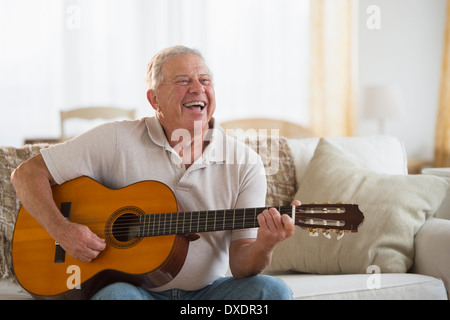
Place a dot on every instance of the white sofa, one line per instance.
(429, 275)
(415, 265)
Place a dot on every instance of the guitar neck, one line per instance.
(337, 217)
(201, 221)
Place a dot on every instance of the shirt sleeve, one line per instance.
(89, 154)
(252, 195)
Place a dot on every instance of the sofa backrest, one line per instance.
(383, 154)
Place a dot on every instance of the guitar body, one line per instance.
(43, 268)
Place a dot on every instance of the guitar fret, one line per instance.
(206, 220)
(184, 219)
(141, 225)
(167, 226)
(211, 220)
(159, 222)
(215, 219)
(174, 223)
(224, 214)
(173, 220)
(198, 221)
(243, 220)
(147, 224)
(176, 227)
(154, 224)
(170, 224)
(149, 218)
(203, 220)
(234, 215)
(164, 224)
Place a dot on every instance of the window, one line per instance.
(62, 54)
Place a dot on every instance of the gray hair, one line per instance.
(153, 76)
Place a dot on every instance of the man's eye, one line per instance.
(206, 81)
(182, 81)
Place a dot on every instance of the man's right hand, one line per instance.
(79, 241)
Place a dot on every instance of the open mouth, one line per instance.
(195, 105)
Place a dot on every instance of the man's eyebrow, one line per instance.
(180, 76)
(187, 75)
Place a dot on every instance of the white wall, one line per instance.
(406, 51)
(64, 54)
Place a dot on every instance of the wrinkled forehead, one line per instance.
(184, 64)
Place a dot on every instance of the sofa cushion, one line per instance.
(279, 166)
(395, 207)
(365, 287)
(431, 245)
(10, 158)
(383, 154)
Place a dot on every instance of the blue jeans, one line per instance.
(259, 287)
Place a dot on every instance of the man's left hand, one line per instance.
(274, 227)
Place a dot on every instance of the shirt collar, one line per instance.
(156, 132)
(214, 152)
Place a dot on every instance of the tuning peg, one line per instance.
(340, 234)
(327, 234)
(313, 232)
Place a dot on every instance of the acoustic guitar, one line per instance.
(145, 235)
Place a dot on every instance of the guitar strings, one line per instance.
(175, 226)
(166, 226)
(200, 214)
(155, 228)
(132, 216)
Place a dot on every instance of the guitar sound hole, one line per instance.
(123, 226)
(126, 227)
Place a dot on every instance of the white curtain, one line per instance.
(442, 138)
(60, 54)
(333, 69)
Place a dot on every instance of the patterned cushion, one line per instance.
(10, 158)
(279, 164)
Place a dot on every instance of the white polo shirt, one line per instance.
(228, 175)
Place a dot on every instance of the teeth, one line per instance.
(195, 103)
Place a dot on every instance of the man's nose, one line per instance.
(196, 87)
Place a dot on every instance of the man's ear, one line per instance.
(151, 97)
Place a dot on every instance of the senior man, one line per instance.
(184, 148)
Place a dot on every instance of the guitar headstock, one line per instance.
(339, 218)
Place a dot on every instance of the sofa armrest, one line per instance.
(432, 256)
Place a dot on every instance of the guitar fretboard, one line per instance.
(201, 221)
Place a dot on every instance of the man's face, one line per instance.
(186, 94)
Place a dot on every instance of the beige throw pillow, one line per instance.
(395, 208)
